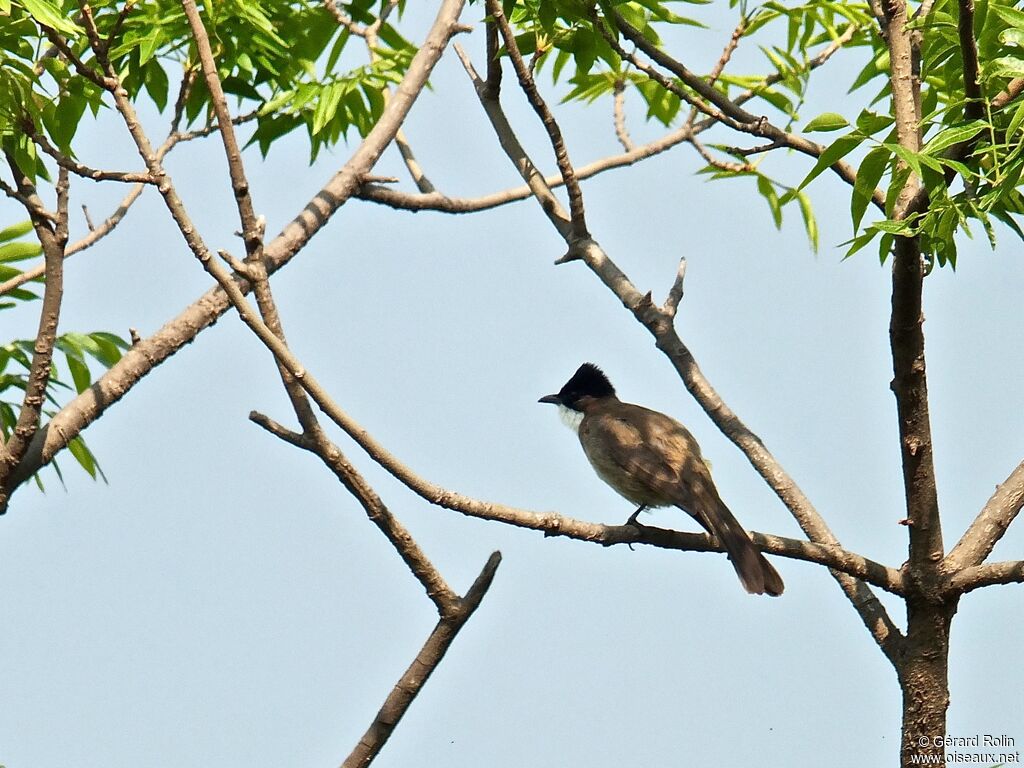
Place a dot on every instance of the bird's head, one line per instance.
(586, 386)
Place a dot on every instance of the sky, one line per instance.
(223, 601)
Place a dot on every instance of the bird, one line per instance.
(652, 460)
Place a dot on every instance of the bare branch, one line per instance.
(659, 323)
(906, 334)
(440, 202)
(419, 564)
(675, 294)
(85, 71)
(991, 523)
(619, 116)
(727, 52)
(529, 87)
(1013, 89)
(79, 169)
(510, 143)
(419, 671)
(251, 233)
(987, 575)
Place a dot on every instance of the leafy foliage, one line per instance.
(970, 167)
(282, 61)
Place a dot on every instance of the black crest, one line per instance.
(588, 381)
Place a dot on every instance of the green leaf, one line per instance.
(84, 456)
(18, 251)
(838, 149)
(1015, 121)
(893, 227)
(15, 231)
(829, 121)
(859, 242)
(51, 15)
(764, 186)
(79, 372)
(870, 123)
(868, 175)
(810, 223)
(953, 135)
(1005, 66)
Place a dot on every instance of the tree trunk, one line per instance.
(924, 679)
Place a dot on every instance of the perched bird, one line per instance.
(653, 461)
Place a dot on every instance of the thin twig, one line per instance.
(419, 671)
(440, 202)
(251, 233)
(619, 116)
(577, 213)
(510, 143)
(675, 294)
(437, 589)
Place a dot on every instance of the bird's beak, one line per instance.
(551, 399)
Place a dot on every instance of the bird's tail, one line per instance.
(756, 574)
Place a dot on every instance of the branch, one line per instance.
(53, 239)
(990, 574)
(991, 523)
(529, 87)
(437, 201)
(110, 223)
(149, 353)
(443, 597)
(552, 524)
(419, 671)
(77, 168)
(510, 143)
(906, 334)
(974, 107)
(619, 116)
(251, 232)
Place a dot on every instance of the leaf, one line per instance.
(1015, 121)
(83, 456)
(51, 15)
(79, 372)
(764, 186)
(1005, 66)
(18, 251)
(893, 227)
(828, 121)
(953, 135)
(868, 175)
(15, 231)
(838, 149)
(810, 223)
(870, 123)
(859, 242)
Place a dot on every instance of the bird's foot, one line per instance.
(636, 523)
(632, 518)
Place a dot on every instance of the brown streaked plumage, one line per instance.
(653, 461)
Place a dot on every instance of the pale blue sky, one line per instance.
(224, 602)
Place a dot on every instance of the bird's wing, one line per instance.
(658, 455)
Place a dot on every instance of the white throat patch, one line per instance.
(570, 418)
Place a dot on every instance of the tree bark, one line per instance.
(924, 680)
